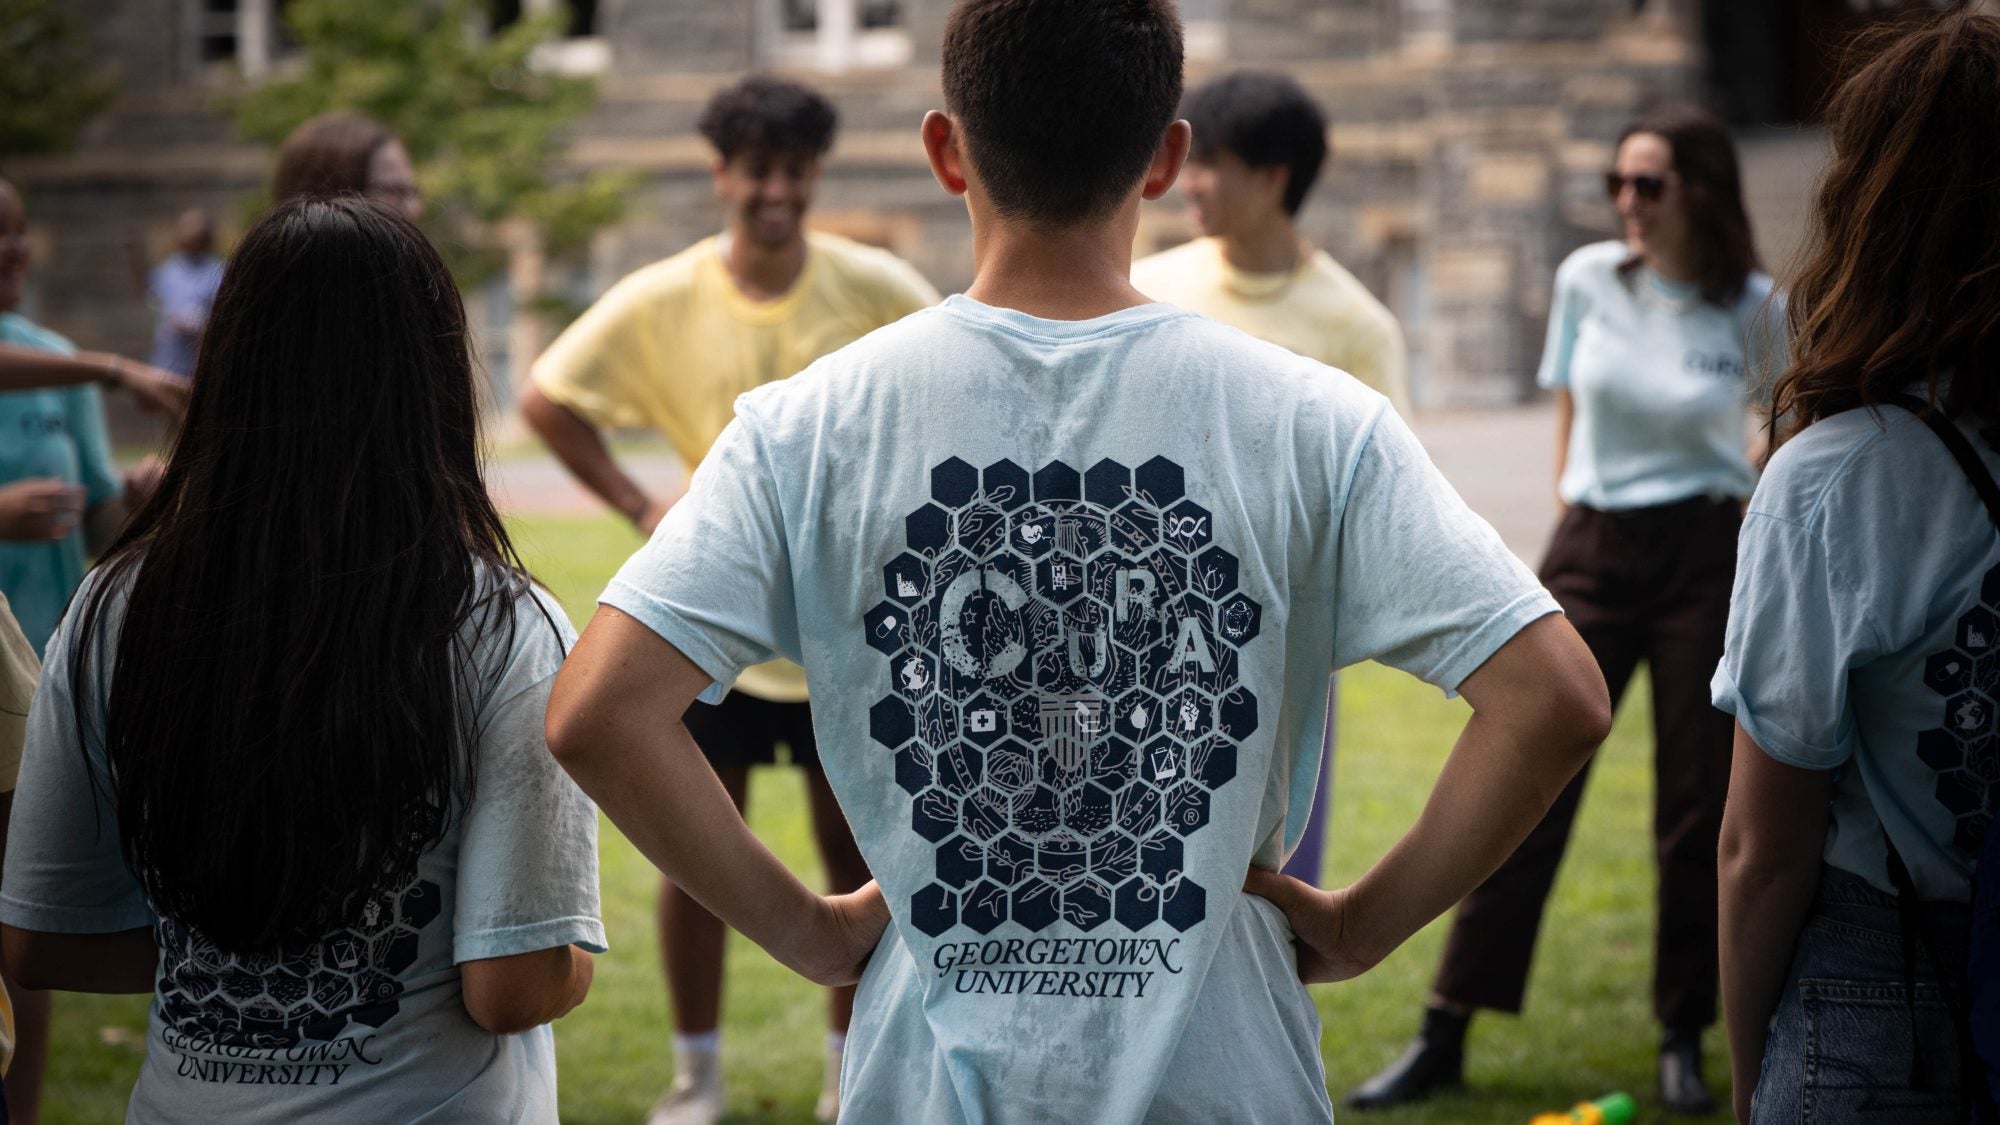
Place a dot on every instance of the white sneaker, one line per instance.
(695, 1098)
(827, 1111)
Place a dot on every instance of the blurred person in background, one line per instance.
(342, 153)
(60, 499)
(181, 289)
(1259, 145)
(670, 348)
(1861, 660)
(1655, 344)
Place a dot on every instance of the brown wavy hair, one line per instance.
(328, 155)
(1901, 278)
(1712, 186)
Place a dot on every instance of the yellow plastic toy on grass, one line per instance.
(1612, 1109)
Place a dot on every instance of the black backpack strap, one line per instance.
(1975, 1095)
(1955, 440)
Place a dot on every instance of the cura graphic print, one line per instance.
(1063, 693)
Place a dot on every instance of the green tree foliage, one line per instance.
(48, 85)
(483, 124)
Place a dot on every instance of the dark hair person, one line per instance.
(1861, 655)
(345, 153)
(1655, 342)
(287, 769)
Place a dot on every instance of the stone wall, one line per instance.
(1468, 141)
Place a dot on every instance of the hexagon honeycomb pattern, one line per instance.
(242, 1000)
(1063, 699)
(1965, 748)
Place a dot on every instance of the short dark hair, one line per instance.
(771, 115)
(1264, 119)
(1061, 103)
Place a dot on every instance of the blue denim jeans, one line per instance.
(1840, 1045)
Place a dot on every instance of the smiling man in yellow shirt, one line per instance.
(669, 348)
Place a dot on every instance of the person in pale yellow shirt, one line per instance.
(669, 348)
(1259, 143)
(18, 671)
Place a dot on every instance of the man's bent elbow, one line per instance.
(562, 725)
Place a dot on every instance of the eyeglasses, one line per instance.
(1648, 188)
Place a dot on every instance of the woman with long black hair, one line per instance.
(286, 768)
(1863, 657)
(1655, 343)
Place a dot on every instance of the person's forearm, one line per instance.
(581, 449)
(1565, 418)
(27, 369)
(1495, 787)
(1763, 903)
(649, 777)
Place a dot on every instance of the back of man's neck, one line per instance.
(1071, 274)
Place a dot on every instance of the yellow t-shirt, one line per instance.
(1317, 309)
(18, 671)
(671, 346)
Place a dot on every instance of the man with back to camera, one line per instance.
(670, 347)
(1259, 143)
(1068, 571)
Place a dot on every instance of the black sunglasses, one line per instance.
(1649, 188)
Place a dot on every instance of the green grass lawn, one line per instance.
(1588, 1029)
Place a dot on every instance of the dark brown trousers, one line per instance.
(1649, 585)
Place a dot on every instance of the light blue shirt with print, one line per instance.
(54, 433)
(367, 1023)
(1661, 380)
(1067, 594)
(1864, 637)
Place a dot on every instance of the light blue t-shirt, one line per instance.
(59, 433)
(1661, 381)
(182, 290)
(1067, 595)
(1864, 636)
(369, 1023)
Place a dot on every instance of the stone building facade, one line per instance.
(1469, 138)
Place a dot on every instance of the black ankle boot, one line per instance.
(1434, 1062)
(1681, 1088)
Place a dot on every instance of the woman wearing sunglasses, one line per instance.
(1655, 343)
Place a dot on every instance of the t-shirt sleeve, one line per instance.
(1565, 314)
(1796, 629)
(527, 861)
(18, 671)
(66, 870)
(715, 581)
(604, 362)
(1421, 582)
(85, 410)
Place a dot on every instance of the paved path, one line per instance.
(1501, 461)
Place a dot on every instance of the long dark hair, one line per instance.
(288, 723)
(1712, 193)
(1901, 280)
(328, 155)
